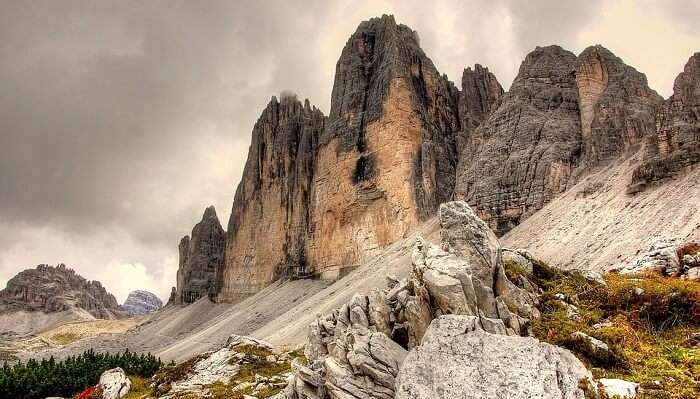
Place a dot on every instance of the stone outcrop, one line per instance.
(201, 258)
(358, 350)
(676, 145)
(273, 208)
(525, 152)
(617, 106)
(458, 359)
(141, 302)
(55, 289)
(387, 155)
(229, 368)
(114, 384)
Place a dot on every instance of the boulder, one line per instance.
(458, 359)
(465, 235)
(114, 384)
(619, 388)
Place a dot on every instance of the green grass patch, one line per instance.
(650, 320)
(65, 338)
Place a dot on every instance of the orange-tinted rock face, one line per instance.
(270, 220)
(387, 156)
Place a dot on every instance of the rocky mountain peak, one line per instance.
(271, 212)
(676, 144)
(617, 106)
(141, 302)
(57, 288)
(524, 153)
(201, 258)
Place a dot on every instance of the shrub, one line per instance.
(39, 379)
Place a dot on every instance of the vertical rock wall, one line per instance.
(387, 156)
(677, 142)
(201, 257)
(272, 208)
(524, 154)
(617, 106)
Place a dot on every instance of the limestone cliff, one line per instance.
(272, 208)
(387, 157)
(201, 258)
(319, 195)
(57, 288)
(141, 302)
(617, 106)
(524, 153)
(677, 143)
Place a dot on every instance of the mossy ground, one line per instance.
(650, 320)
(140, 388)
(64, 338)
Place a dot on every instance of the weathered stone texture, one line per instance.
(677, 142)
(617, 106)
(387, 155)
(54, 289)
(141, 302)
(201, 257)
(524, 154)
(272, 208)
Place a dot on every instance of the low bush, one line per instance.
(39, 379)
(647, 320)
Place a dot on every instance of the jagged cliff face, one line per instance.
(677, 142)
(387, 156)
(201, 258)
(272, 208)
(617, 106)
(319, 195)
(141, 302)
(525, 152)
(55, 289)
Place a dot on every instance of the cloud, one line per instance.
(121, 121)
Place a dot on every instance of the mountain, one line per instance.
(201, 258)
(141, 302)
(321, 195)
(48, 290)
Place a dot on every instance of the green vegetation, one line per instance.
(65, 338)
(647, 321)
(39, 379)
(256, 364)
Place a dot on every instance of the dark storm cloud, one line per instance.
(100, 102)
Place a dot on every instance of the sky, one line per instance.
(121, 121)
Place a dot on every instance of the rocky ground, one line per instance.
(474, 320)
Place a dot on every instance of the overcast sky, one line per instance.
(121, 121)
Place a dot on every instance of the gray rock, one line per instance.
(457, 359)
(114, 384)
(619, 388)
(465, 235)
(141, 302)
(693, 273)
(201, 257)
(676, 144)
(594, 344)
(55, 289)
(525, 152)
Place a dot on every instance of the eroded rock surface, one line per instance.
(141, 302)
(524, 153)
(458, 359)
(676, 145)
(54, 289)
(357, 351)
(616, 104)
(201, 258)
(272, 209)
(114, 384)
